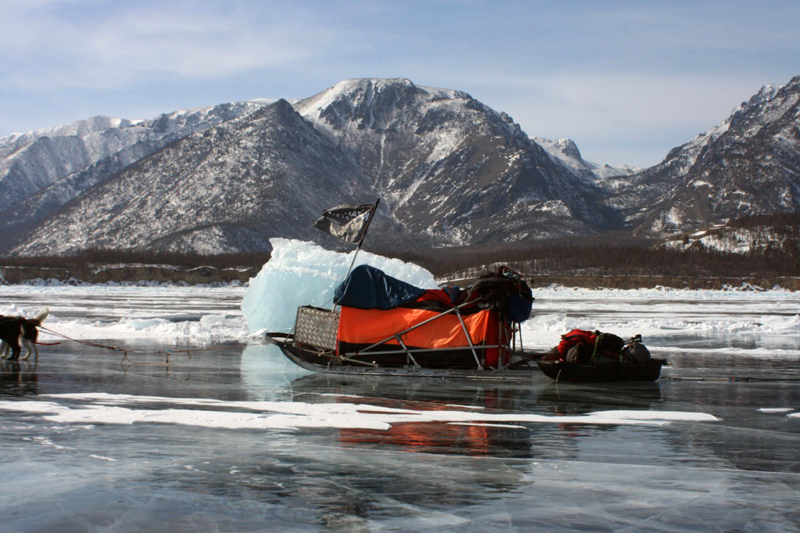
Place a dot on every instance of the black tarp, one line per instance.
(370, 288)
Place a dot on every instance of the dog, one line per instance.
(14, 329)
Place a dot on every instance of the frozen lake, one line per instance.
(231, 437)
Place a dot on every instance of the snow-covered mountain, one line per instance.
(748, 165)
(227, 188)
(450, 170)
(43, 170)
(450, 167)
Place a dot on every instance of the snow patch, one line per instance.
(100, 408)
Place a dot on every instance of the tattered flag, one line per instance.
(347, 222)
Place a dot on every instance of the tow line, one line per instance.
(126, 351)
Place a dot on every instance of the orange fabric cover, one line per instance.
(362, 326)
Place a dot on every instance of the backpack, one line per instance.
(576, 336)
(582, 346)
(636, 352)
(610, 344)
(579, 353)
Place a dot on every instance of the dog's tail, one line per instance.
(41, 315)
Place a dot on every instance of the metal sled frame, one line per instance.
(315, 336)
(410, 351)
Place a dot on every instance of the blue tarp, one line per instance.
(370, 288)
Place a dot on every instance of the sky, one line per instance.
(626, 80)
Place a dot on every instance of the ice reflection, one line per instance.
(740, 472)
(18, 378)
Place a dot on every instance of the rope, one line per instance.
(594, 351)
(126, 351)
(86, 343)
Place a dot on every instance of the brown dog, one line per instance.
(14, 329)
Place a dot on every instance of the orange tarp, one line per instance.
(360, 326)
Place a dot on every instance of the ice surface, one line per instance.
(304, 273)
(169, 314)
(236, 438)
(661, 314)
(759, 324)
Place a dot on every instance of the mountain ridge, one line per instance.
(451, 172)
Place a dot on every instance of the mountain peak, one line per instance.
(366, 93)
(745, 166)
(765, 94)
(568, 148)
(345, 86)
(80, 128)
(451, 171)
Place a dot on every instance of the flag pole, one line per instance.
(363, 236)
(369, 221)
(358, 248)
(339, 227)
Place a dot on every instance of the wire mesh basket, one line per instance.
(317, 327)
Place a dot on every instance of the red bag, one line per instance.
(576, 336)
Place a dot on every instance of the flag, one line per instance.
(347, 222)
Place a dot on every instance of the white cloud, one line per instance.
(637, 100)
(643, 77)
(118, 46)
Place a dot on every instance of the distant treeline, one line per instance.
(775, 236)
(787, 223)
(605, 260)
(126, 257)
(588, 256)
(612, 255)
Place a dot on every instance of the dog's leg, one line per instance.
(11, 329)
(4, 348)
(30, 347)
(14, 349)
(29, 336)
